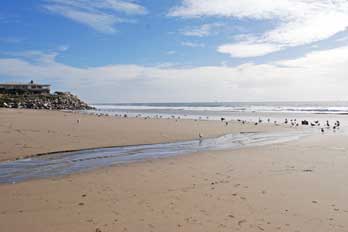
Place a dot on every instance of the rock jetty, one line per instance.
(55, 101)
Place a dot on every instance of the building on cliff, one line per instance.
(28, 87)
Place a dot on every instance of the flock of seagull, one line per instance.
(292, 122)
(296, 123)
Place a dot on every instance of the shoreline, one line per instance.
(30, 133)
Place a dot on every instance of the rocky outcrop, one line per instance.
(56, 101)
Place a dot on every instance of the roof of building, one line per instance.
(23, 84)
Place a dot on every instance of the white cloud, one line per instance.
(171, 52)
(316, 76)
(123, 6)
(312, 27)
(101, 15)
(202, 30)
(342, 39)
(245, 49)
(229, 8)
(192, 44)
(298, 22)
(323, 60)
(34, 56)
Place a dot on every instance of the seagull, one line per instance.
(338, 124)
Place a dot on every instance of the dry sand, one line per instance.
(295, 186)
(27, 132)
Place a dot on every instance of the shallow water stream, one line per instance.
(64, 163)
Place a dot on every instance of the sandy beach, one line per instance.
(173, 116)
(28, 132)
(293, 186)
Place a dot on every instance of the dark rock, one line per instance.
(56, 101)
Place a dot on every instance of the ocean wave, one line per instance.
(205, 107)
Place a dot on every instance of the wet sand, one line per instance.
(25, 133)
(295, 186)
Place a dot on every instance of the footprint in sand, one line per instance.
(241, 222)
(260, 228)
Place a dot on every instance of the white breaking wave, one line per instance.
(197, 107)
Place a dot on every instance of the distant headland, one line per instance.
(38, 96)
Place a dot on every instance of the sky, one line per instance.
(120, 51)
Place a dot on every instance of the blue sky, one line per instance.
(178, 50)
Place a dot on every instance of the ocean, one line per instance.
(226, 107)
(249, 111)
